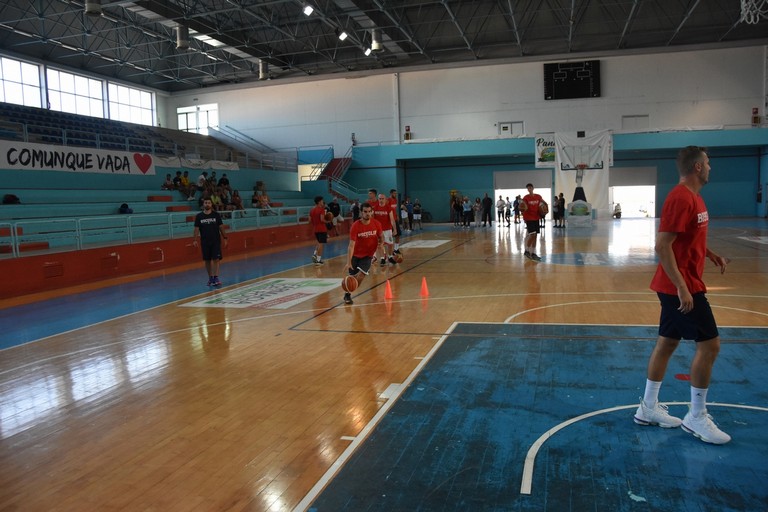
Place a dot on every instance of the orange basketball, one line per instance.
(543, 208)
(328, 217)
(349, 284)
(399, 257)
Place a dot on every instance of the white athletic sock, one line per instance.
(397, 247)
(698, 400)
(651, 395)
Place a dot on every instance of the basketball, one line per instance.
(543, 208)
(399, 257)
(328, 217)
(523, 206)
(349, 284)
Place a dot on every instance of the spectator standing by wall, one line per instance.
(487, 207)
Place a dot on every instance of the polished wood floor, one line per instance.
(243, 408)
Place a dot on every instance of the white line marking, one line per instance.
(346, 454)
(530, 458)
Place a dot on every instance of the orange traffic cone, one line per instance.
(388, 291)
(424, 289)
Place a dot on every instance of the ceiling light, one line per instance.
(343, 35)
(367, 52)
(308, 9)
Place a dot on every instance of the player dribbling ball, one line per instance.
(349, 284)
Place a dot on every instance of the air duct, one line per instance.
(376, 45)
(182, 37)
(93, 7)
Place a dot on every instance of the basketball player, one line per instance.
(319, 228)
(382, 212)
(365, 236)
(209, 229)
(681, 246)
(530, 205)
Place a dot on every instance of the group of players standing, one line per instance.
(377, 231)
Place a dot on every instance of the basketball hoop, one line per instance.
(580, 173)
(752, 11)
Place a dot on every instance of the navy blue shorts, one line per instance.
(698, 325)
(532, 226)
(360, 265)
(211, 250)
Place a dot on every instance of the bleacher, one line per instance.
(62, 211)
(61, 219)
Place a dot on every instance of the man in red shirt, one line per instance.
(382, 212)
(531, 206)
(681, 246)
(365, 236)
(319, 228)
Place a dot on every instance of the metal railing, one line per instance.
(86, 232)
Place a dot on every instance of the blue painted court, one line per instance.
(458, 437)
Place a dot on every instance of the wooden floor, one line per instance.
(227, 405)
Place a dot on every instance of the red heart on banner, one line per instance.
(143, 161)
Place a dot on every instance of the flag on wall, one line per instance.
(545, 150)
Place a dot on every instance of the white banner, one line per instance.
(45, 157)
(195, 163)
(593, 149)
(545, 150)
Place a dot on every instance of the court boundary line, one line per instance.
(330, 473)
(530, 458)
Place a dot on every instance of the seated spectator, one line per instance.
(218, 205)
(224, 183)
(202, 181)
(255, 201)
(125, 209)
(236, 203)
(177, 181)
(224, 195)
(187, 188)
(168, 183)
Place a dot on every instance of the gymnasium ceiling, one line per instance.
(135, 41)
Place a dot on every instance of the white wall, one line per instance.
(675, 90)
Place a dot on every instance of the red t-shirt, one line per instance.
(684, 213)
(395, 208)
(366, 238)
(317, 219)
(381, 214)
(533, 201)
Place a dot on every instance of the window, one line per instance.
(74, 93)
(197, 119)
(20, 83)
(130, 105)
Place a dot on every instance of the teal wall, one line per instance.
(243, 179)
(429, 171)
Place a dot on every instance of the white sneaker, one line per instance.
(704, 428)
(658, 415)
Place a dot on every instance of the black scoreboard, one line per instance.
(569, 80)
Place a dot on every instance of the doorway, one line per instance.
(636, 202)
